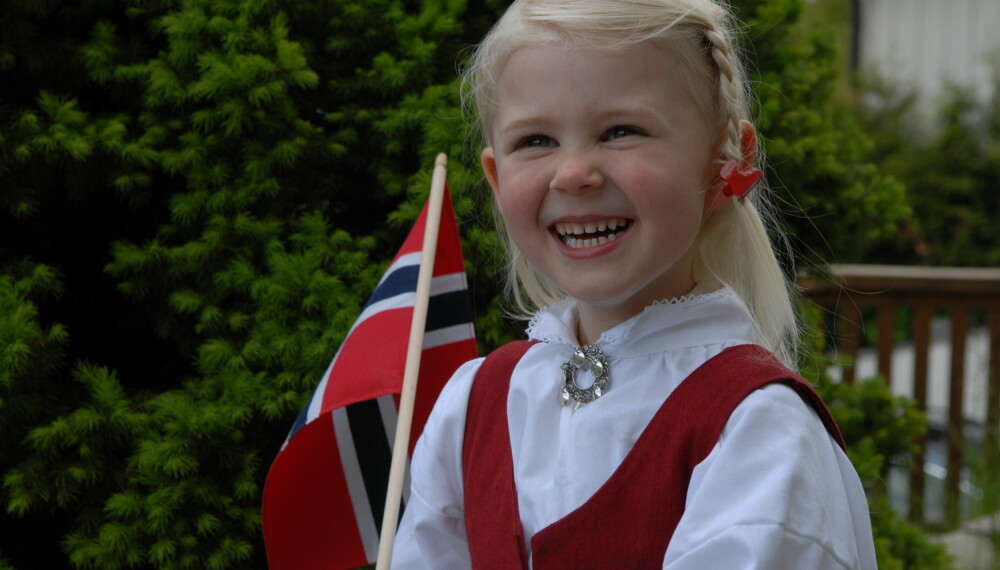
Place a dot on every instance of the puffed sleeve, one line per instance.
(777, 493)
(432, 532)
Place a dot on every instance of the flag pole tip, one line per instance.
(441, 160)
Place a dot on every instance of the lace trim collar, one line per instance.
(556, 323)
(689, 298)
(618, 334)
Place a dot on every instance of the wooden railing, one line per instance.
(849, 292)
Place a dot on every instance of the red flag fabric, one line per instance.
(325, 493)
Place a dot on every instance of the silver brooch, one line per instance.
(584, 358)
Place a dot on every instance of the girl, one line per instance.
(648, 422)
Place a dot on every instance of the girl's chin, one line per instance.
(610, 296)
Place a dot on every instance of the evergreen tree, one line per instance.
(219, 183)
(950, 166)
(837, 204)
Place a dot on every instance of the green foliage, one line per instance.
(983, 466)
(29, 352)
(900, 545)
(950, 167)
(838, 203)
(222, 183)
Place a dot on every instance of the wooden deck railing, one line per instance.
(850, 291)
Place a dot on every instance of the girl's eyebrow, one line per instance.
(526, 123)
(641, 113)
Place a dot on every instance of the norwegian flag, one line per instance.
(325, 493)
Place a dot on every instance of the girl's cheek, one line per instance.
(526, 177)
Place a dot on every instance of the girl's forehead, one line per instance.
(544, 59)
(570, 47)
(563, 74)
(534, 68)
(560, 83)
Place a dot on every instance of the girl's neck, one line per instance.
(589, 327)
(593, 320)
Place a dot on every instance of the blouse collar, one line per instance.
(692, 320)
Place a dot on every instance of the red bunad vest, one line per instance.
(629, 521)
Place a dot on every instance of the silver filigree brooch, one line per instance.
(590, 358)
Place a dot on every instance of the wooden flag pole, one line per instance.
(408, 395)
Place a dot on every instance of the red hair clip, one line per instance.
(739, 181)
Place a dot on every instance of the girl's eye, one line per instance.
(620, 131)
(535, 141)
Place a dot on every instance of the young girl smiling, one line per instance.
(652, 420)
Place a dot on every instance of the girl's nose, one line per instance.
(575, 174)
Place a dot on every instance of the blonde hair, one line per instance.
(733, 246)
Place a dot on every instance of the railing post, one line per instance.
(921, 348)
(956, 419)
(850, 336)
(991, 436)
(886, 340)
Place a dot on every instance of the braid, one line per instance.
(735, 246)
(732, 98)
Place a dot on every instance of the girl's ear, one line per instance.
(489, 163)
(748, 144)
(714, 198)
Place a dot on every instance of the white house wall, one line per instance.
(925, 43)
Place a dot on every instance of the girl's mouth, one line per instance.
(590, 234)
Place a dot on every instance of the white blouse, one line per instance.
(776, 492)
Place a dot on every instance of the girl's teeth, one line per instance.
(568, 229)
(569, 234)
(576, 235)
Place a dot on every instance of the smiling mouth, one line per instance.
(590, 234)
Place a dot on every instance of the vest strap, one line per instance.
(492, 520)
